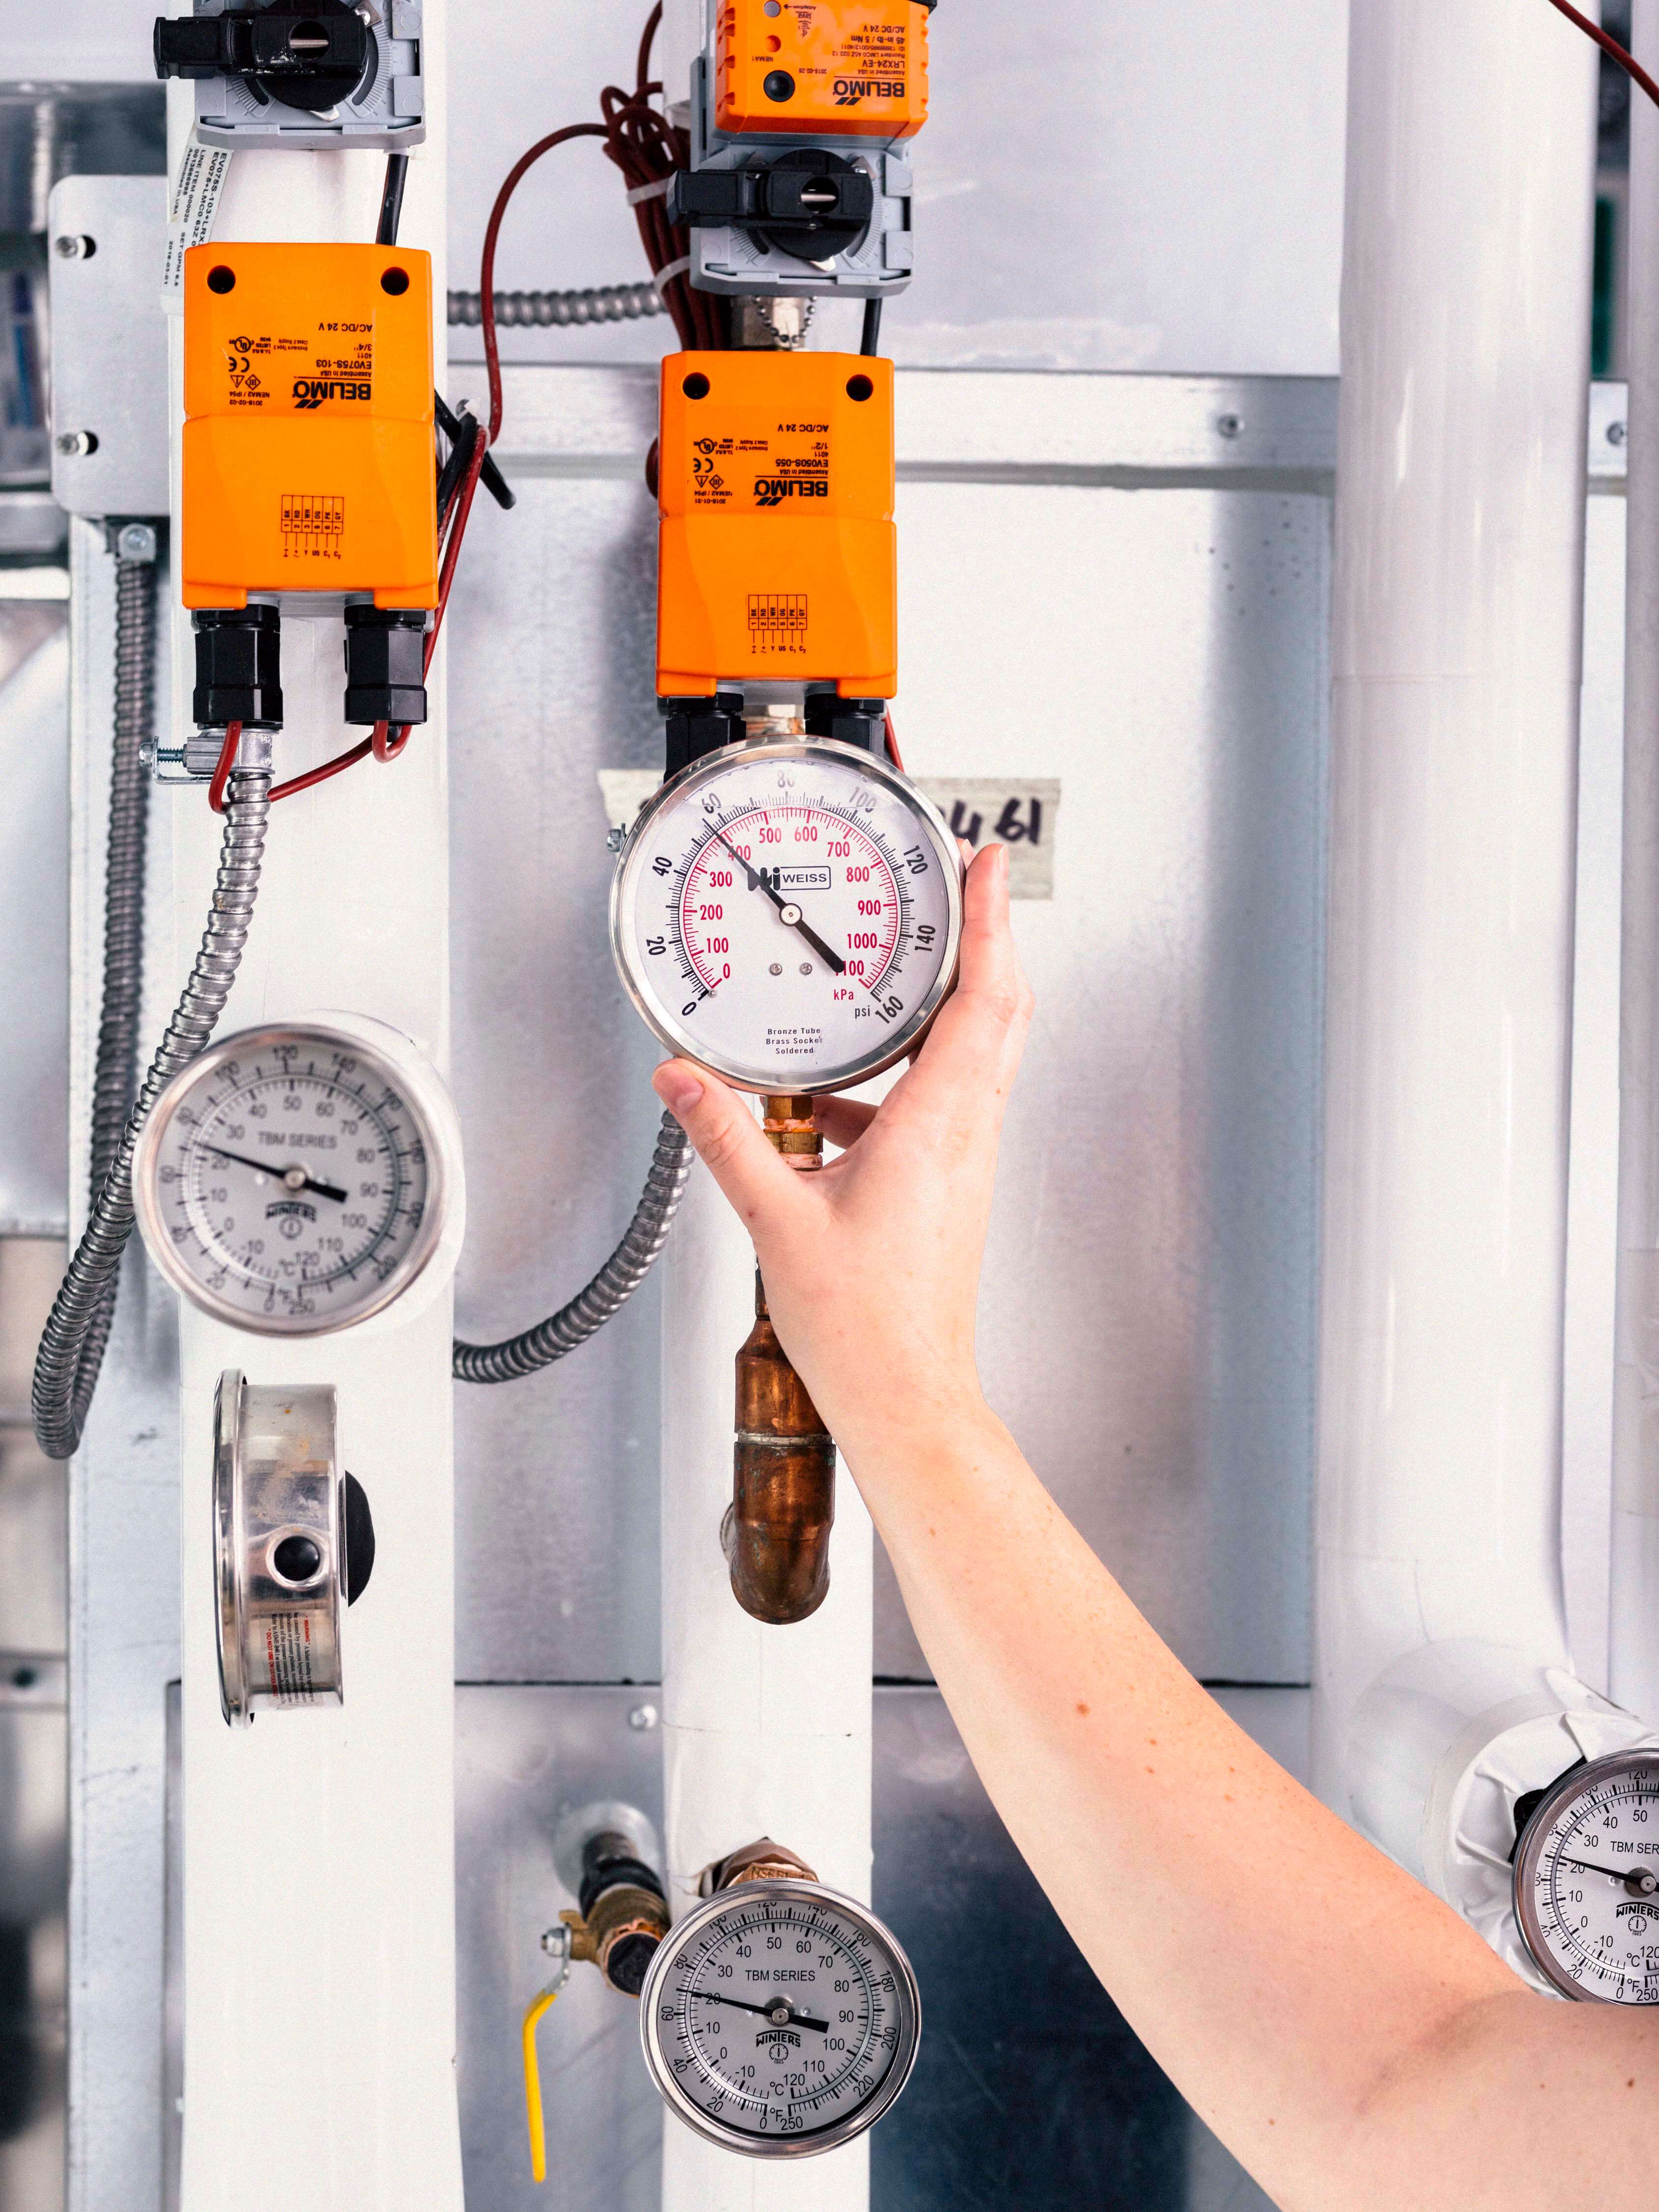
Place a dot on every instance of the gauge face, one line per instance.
(780, 2018)
(1587, 1881)
(288, 1182)
(789, 913)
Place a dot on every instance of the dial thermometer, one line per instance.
(1587, 1880)
(295, 1181)
(787, 913)
(780, 2019)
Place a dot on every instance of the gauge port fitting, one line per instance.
(775, 1534)
(623, 1915)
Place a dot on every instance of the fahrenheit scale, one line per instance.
(780, 2019)
(789, 913)
(1587, 1880)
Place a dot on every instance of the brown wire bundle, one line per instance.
(648, 149)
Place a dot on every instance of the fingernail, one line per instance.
(677, 1087)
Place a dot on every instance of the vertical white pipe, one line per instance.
(1633, 1593)
(1459, 526)
(320, 1996)
(766, 1731)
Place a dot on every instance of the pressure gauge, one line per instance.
(787, 913)
(780, 2019)
(296, 1181)
(1587, 1880)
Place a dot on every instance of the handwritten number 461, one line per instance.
(1013, 828)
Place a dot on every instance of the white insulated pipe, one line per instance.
(318, 1875)
(766, 1731)
(1633, 1593)
(1460, 525)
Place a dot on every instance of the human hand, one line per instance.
(872, 1263)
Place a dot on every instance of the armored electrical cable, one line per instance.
(115, 1067)
(610, 1289)
(72, 1346)
(581, 305)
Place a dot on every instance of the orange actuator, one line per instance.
(821, 68)
(777, 551)
(308, 434)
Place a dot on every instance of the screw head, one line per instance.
(1617, 433)
(73, 248)
(643, 1716)
(1229, 426)
(135, 541)
(615, 838)
(556, 1942)
(79, 443)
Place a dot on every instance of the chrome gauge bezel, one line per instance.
(433, 1126)
(743, 1897)
(1530, 1851)
(673, 1033)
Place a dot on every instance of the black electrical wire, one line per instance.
(871, 341)
(489, 476)
(392, 199)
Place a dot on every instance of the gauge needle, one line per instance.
(780, 2014)
(792, 914)
(295, 1178)
(1641, 1876)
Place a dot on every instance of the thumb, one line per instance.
(729, 1142)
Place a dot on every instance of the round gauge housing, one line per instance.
(1587, 1880)
(788, 913)
(296, 1181)
(780, 2019)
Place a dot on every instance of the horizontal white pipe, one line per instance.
(1459, 581)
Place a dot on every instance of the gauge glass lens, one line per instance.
(783, 2019)
(288, 1183)
(788, 915)
(1587, 1881)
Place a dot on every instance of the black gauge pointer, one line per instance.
(757, 883)
(780, 2014)
(1634, 1878)
(295, 1178)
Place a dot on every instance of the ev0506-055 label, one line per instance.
(751, 461)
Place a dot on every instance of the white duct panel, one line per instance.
(766, 1731)
(319, 1877)
(1459, 565)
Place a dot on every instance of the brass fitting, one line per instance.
(764, 1861)
(789, 1124)
(623, 1914)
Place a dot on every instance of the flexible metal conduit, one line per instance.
(591, 303)
(114, 1071)
(609, 1290)
(71, 1347)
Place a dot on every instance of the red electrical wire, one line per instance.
(227, 762)
(1611, 47)
(487, 271)
(893, 752)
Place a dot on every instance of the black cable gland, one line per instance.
(862, 722)
(698, 726)
(386, 665)
(239, 668)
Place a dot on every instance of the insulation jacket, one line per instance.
(72, 1344)
(610, 1289)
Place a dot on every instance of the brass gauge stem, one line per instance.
(776, 1534)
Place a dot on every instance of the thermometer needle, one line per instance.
(780, 2014)
(757, 883)
(295, 1178)
(1634, 1878)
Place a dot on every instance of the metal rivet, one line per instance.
(1616, 433)
(69, 248)
(805, 967)
(643, 1716)
(777, 968)
(77, 441)
(1229, 426)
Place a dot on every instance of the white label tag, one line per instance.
(985, 810)
(201, 176)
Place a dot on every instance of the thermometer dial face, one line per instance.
(788, 913)
(780, 2019)
(1587, 1880)
(288, 1183)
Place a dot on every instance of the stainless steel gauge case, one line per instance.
(1586, 1883)
(278, 1549)
(843, 1935)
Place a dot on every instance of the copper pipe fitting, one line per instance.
(789, 1124)
(764, 1861)
(776, 1533)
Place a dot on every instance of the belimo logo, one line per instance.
(772, 491)
(849, 90)
(310, 392)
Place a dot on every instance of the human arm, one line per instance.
(1349, 2038)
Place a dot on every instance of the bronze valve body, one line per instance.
(776, 1533)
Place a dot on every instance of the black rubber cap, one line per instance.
(778, 86)
(297, 1558)
(628, 1963)
(356, 1536)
